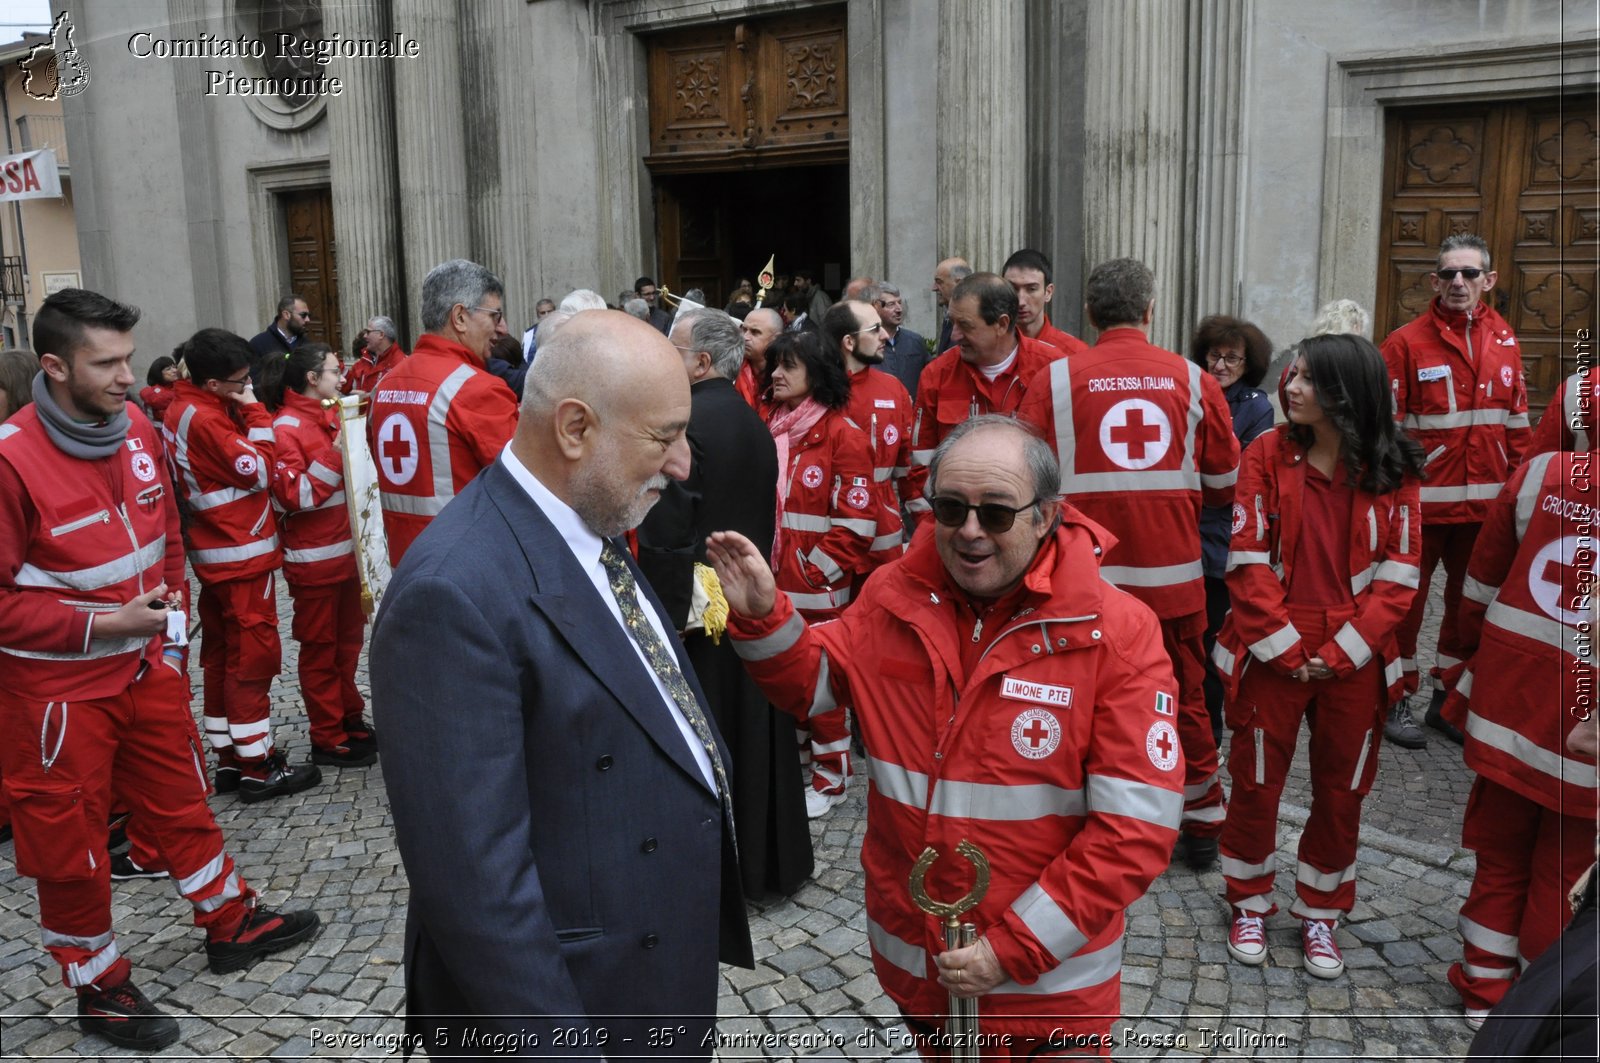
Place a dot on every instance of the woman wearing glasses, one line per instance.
(319, 560)
(1326, 539)
(826, 517)
(1237, 354)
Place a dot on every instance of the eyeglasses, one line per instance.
(1466, 273)
(1232, 361)
(992, 516)
(496, 315)
(303, 315)
(238, 382)
(876, 326)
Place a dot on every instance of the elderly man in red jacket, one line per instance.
(1006, 695)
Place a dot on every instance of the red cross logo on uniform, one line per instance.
(1555, 580)
(1035, 733)
(1135, 434)
(1161, 744)
(397, 449)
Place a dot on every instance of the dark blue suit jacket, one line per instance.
(568, 862)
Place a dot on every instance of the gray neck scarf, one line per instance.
(87, 441)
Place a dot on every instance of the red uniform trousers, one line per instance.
(825, 738)
(240, 654)
(1528, 858)
(142, 745)
(1452, 544)
(1204, 806)
(1346, 720)
(330, 627)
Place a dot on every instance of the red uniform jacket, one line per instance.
(748, 385)
(437, 420)
(365, 372)
(1525, 610)
(829, 516)
(156, 399)
(1568, 422)
(78, 537)
(1458, 389)
(223, 453)
(950, 391)
(1064, 342)
(1056, 754)
(880, 406)
(1144, 438)
(308, 489)
(1385, 551)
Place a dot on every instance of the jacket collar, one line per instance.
(435, 344)
(190, 391)
(308, 408)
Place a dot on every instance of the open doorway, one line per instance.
(714, 229)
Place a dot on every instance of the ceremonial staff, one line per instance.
(962, 1026)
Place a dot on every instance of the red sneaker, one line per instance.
(1247, 938)
(1323, 958)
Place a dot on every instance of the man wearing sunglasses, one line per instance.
(1005, 695)
(441, 416)
(285, 332)
(1458, 389)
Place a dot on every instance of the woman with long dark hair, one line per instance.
(319, 561)
(1323, 564)
(157, 394)
(826, 522)
(1237, 354)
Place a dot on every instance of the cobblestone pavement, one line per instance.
(812, 993)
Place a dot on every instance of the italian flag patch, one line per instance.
(1163, 704)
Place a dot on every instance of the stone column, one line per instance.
(1219, 55)
(982, 105)
(361, 158)
(1134, 173)
(868, 216)
(432, 167)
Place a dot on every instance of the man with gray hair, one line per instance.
(440, 416)
(732, 482)
(1458, 389)
(946, 275)
(560, 794)
(905, 353)
(382, 354)
(1059, 763)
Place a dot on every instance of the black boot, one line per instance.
(262, 933)
(123, 1016)
(1435, 717)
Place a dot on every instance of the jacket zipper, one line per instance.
(122, 511)
(102, 517)
(1031, 623)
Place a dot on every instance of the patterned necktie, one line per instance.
(665, 665)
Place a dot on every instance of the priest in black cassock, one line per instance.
(732, 485)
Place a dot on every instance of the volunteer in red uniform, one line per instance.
(1531, 815)
(221, 443)
(1143, 438)
(319, 557)
(382, 354)
(1456, 372)
(987, 371)
(157, 393)
(879, 406)
(1568, 420)
(1029, 274)
(827, 507)
(1005, 696)
(1323, 564)
(93, 699)
(440, 415)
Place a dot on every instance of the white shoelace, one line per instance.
(1319, 938)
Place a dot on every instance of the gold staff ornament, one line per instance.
(962, 1026)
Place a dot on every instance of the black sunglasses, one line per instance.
(1451, 274)
(992, 516)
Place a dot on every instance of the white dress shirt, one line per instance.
(586, 546)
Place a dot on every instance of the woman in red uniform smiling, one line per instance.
(826, 523)
(1321, 568)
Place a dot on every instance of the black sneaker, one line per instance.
(228, 780)
(360, 735)
(125, 1017)
(347, 756)
(1198, 853)
(281, 778)
(123, 868)
(1434, 717)
(262, 933)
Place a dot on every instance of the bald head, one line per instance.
(946, 275)
(760, 328)
(603, 418)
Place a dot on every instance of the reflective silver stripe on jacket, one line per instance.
(288, 420)
(1076, 972)
(1467, 493)
(220, 497)
(261, 435)
(771, 645)
(412, 505)
(1236, 558)
(444, 482)
(1348, 639)
(1532, 488)
(1536, 626)
(1001, 803)
(319, 553)
(120, 570)
(1222, 658)
(1154, 480)
(1152, 575)
(830, 568)
(810, 522)
(98, 650)
(1066, 435)
(224, 554)
(1406, 575)
(1460, 419)
(1219, 479)
(1276, 644)
(1481, 593)
(1519, 746)
(1137, 800)
(1044, 918)
(910, 958)
(822, 600)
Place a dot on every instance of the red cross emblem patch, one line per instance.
(857, 497)
(1135, 434)
(143, 467)
(1240, 515)
(891, 435)
(812, 477)
(1505, 375)
(397, 449)
(1161, 743)
(1035, 733)
(245, 464)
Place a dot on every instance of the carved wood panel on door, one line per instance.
(1522, 174)
(313, 266)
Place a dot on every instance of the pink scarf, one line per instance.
(789, 428)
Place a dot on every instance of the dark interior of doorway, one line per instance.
(716, 228)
